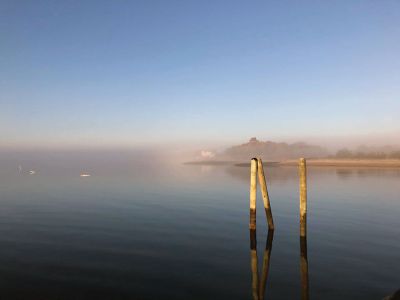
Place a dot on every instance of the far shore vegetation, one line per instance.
(284, 154)
(348, 154)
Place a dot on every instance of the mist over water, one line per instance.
(126, 132)
(146, 227)
(74, 161)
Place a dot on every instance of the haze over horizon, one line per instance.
(198, 74)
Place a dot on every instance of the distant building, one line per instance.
(253, 140)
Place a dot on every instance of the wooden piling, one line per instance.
(253, 193)
(264, 192)
(303, 197)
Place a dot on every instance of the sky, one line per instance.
(140, 73)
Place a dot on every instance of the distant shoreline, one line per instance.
(210, 163)
(370, 163)
(379, 163)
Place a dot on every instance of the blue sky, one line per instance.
(136, 73)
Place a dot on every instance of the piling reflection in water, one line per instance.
(254, 264)
(258, 286)
(304, 269)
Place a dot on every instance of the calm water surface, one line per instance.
(181, 232)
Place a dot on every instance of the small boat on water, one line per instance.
(32, 172)
(85, 175)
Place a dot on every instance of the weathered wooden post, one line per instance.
(253, 193)
(303, 230)
(303, 197)
(264, 192)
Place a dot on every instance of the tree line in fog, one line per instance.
(346, 153)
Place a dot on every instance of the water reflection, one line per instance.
(304, 269)
(364, 172)
(258, 286)
(285, 174)
(272, 174)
